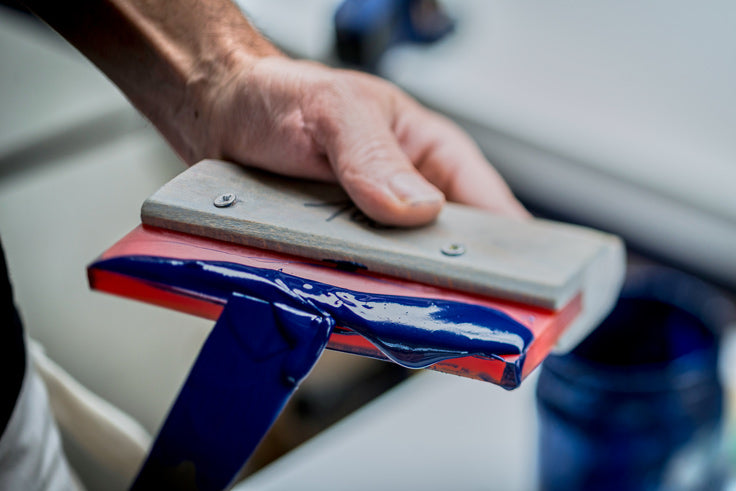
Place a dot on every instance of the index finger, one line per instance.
(450, 159)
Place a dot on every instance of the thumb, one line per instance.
(380, 178)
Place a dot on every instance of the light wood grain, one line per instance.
(535, 262)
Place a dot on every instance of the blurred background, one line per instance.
(617, 115)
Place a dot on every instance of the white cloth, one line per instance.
(31, 457)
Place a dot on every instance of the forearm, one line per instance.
(164, 59)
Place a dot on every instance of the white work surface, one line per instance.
(432, 432)
(52, 98)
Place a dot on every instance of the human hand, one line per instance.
(215, 88)
(397, 160)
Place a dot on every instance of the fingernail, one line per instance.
(413, 190)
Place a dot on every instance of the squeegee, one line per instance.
(288, 267)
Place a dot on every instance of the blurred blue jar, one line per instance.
(638, 405)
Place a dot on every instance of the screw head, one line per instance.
(225, 200)
(453, 249)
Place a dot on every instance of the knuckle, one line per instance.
(373, 153)
(325, 108)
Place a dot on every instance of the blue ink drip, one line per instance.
(250, 365)
(414, 332)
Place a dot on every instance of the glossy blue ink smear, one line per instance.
(414, 332)
(272, 330)
(248, 368)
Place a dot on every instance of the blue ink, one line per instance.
(638, 405)
(414, 332)
(273, 328)
(250, 365)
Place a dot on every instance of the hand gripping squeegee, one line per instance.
(289, 267)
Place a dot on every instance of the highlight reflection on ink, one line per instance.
(414, 332)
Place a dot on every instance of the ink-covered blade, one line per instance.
(191, 274)
(414, 332)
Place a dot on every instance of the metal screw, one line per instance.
(453, 250)
(225, 200)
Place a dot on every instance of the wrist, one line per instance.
(216, 81)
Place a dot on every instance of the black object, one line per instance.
(12, 348)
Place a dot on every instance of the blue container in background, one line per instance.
(365, 29)
(638, 405)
